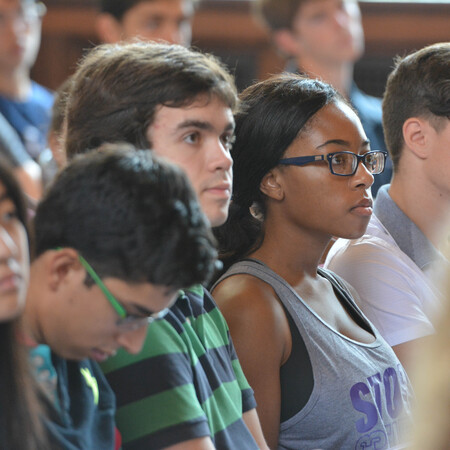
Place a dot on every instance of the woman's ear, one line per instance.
(271, 186)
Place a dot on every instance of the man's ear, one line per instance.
(416, 136)
(270, 185)
(286, 42)
(62, 266)
(108, 28)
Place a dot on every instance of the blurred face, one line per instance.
(316, 200)
(14, 262)
(198, 138)
(167, 20)
(94, 329)
(20, 33)
(329, 31)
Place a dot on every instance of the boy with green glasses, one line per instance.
(116, 237)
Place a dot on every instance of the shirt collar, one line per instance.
(406, 234)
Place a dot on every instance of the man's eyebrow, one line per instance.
(137, 310)
(202, 125)
(142, 310)
(342, 142)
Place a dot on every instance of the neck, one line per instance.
(339, 75)
(423, 203)
(15, 84)
(291, 252)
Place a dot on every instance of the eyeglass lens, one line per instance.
(346, 163)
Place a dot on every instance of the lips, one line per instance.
(363, 208)
(365, 203)
(10, 282)
(220, 189)
(100, 355)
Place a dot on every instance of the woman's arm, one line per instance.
(261, 336)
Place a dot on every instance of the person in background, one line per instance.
(323, 376)
(116, 235)
(25, 104)
(393, 266)
(14, 156)
(153, 20)
(20, 413)
(324, 39)
(189, 391)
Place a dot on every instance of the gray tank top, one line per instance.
(361, 395)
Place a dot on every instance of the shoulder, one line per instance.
(254, 314)
(246, 295)
(42, 95)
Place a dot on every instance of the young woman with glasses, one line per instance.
(19, 411)
(323, 376)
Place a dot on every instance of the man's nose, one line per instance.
(132, 341)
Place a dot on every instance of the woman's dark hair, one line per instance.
(272, 115)
(20, 426)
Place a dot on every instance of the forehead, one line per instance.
(161, 7)
(335, 121)
(150, 297)
(212, 110)
(311, 6)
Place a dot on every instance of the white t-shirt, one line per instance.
(398, 297)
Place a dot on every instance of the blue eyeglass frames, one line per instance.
(343, 164)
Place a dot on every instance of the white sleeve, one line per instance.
(393, 291)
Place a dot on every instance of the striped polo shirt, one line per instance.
(186, 382)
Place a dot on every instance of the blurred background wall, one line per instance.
(228, 29)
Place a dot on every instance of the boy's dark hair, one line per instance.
(118, 87)
(273, 114)
(131, 215)
(118, 8)
(14, 192)
(278, 14)
(419, 86)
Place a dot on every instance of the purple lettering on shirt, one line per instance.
(363, 424)
(394, 404)
(375, 383)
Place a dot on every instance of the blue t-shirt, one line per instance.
(79, 402)
(30, 118)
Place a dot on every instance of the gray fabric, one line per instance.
(361, 393)
(406, 234)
